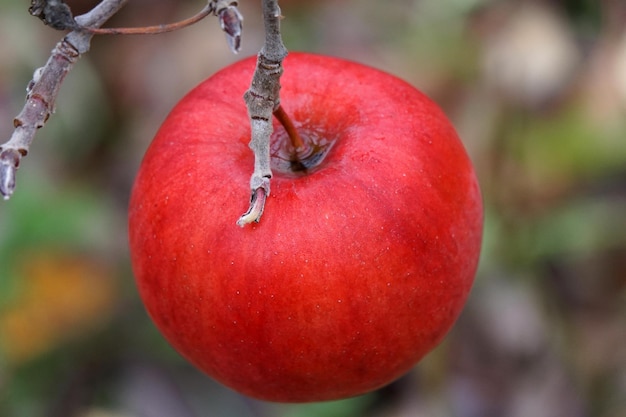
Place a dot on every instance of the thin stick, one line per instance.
(152, 30)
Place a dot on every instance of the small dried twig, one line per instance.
(226, 10)
(57, 14)
(152, 30)
(262, 99)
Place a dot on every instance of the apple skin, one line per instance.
(356, 269)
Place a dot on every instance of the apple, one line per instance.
(364, 256)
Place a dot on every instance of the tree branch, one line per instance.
(262, 99)
(42, 91)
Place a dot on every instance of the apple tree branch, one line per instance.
(44, 88)
(262, 99)
(42, 91)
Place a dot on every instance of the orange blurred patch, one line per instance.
(62, 297)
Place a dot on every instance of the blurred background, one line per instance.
(537, 91)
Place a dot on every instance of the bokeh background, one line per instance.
(537, 90)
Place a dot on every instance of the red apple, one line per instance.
(360, 264)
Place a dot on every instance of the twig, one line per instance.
(226, 10)
(262, 99)
(152, 30)
(43, 90)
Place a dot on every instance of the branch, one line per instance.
(42, 91)
(262, 99)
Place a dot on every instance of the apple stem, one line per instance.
(262, 98)
(292, 132)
